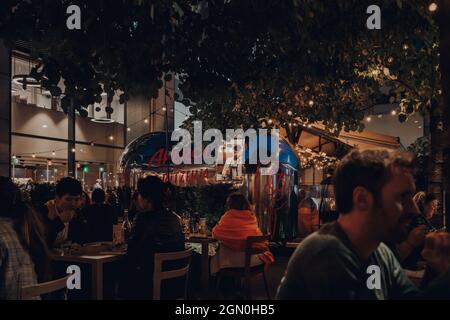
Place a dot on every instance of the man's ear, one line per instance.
(362, 199)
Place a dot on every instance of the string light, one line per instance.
(432, 7)
(164, 109)
(269, 121)
(53, 153)
(34, 155)
(405, 46)
(128, 129)
(289, 113)
(111, 138)
(73, 150)
(145, 120)
(393, 112)
(311, 103)
(380, 116)
(368, 119)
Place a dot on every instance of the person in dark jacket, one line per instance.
(156, 229)
(100, 218)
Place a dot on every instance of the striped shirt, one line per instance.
(16, 266)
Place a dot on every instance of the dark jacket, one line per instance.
(77, 227)
(153, 232)
(100, 219)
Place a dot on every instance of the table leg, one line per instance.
(205, 267)
(97, 281)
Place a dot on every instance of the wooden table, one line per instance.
(96, 261)
(204, 241)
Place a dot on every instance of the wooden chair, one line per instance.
(159, 275)
(248, 272)
(39, 289)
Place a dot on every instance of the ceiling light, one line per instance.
(102, 120)
(25, 80)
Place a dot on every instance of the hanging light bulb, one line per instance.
(289, 113)
(368, 119)
(33, 155)
(269, 121)
(164, 109)
(146, 120)
(310, 103)
(393, 112)
(73, 150)
(111, 138)
(432, 7)
(53, 153)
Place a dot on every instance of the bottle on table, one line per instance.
(126, 226)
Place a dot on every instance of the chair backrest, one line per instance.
(39, 289)
(250, 249)
(159, 275)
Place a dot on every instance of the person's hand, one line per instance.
(417, 236)
(66, 216)
(437, 251)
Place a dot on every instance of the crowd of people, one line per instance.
(382, 223)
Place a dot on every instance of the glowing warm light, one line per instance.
(432, 7)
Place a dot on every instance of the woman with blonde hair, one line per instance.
(427, 203)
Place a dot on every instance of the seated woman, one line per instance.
(24, 256)
(232, 230)
(156, 229)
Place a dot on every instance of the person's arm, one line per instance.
(52, 227)
(436, 281)
(415, 239)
